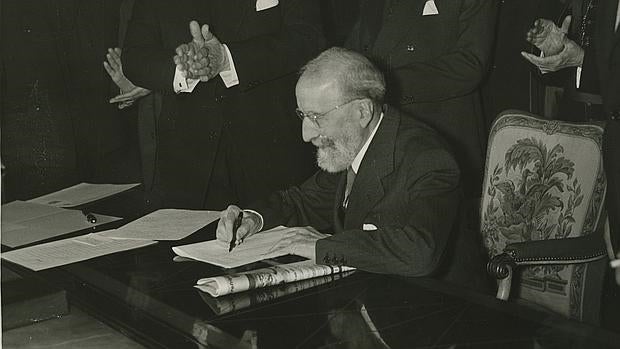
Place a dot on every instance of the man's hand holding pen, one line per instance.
(248, 223)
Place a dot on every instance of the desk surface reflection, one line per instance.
(151, 298)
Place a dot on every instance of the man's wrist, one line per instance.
(182, 84)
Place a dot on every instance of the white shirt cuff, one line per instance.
(181, 84)
(229, 76)
(578, 77)
(260, 226)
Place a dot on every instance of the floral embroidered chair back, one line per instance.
(544, 181)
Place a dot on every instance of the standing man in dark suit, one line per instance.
(586, 58)
(434, 54)
(388, 188)
(217, 137)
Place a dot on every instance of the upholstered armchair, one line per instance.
(542, 213)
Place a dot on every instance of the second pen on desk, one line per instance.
(236, 226)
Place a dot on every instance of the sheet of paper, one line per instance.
(253, 249)
(19, 211)
(26, 222)
(62, 252)
(82, 193)
(165, 224)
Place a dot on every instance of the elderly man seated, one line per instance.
(387, 197)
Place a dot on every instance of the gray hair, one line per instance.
(356, 75)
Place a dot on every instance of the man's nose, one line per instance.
(308, 130)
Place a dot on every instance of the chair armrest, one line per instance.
(561, 251)
(581, 249)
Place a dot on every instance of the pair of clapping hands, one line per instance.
(203, 58)
(300, 241)
(558, 51)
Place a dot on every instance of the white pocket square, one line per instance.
(430, 8)
(265, 4)
(369, 226)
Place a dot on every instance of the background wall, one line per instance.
(58, 129)
(57, 126)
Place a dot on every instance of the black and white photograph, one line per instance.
(321, 174)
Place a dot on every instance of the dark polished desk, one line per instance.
(150, 298)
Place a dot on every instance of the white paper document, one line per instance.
(26, 222)
(253, 249)
(82, 193)
(165, 224)
(62, 252)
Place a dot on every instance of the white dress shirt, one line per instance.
(355, 165)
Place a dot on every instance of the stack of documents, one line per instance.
(26, 222)
(253, 249)
(62, 252)
(165, 224)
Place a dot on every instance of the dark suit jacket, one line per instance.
(608, 60)
(434, 65)
(252, 125)
(408, 187)
(600, 75)
(608, 55)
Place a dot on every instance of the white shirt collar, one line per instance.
(355, 165)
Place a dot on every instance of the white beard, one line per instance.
(337, 155)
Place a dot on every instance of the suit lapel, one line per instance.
(378, 162)
(392, 33)
(230, 16)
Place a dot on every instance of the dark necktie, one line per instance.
(349, 185)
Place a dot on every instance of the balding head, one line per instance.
(348, 74)
(339, 98)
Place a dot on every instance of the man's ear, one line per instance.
(366, 109)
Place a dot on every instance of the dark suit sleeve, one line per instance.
(266, 57)
(310, 204)
(460, 70)
(146, 62)
(415, 247)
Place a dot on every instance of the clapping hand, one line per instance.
(559, 52)
(547, 37)
(203, 58)
(570, 56)
(129, 91)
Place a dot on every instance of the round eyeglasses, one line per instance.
(314, 117)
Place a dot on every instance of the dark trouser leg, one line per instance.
(611, 155)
